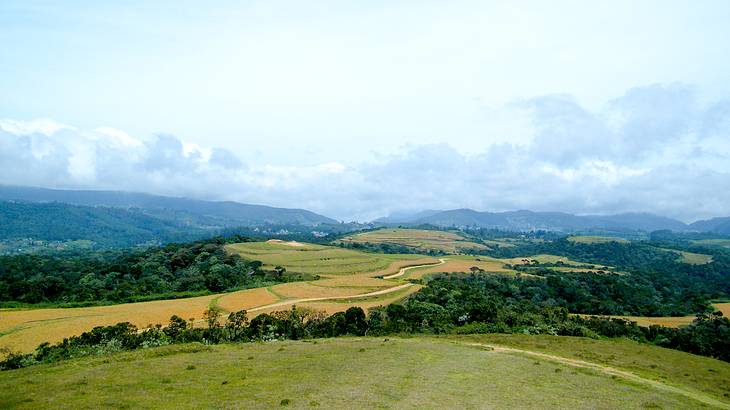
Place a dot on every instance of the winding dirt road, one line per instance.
(693, 394)
(328, 298)
(403, 270)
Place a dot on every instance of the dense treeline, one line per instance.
(391, 248)
(105, 226)
(655, 284)
(171, 271)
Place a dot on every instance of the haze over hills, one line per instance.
(524, 220)
(119, 219)
(192, 212)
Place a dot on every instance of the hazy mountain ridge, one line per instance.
(524, 220)
(714, 225)
(192, 212)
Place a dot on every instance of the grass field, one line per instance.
(460, 263)
(316, 259)
(344, 274)
(722, 243)
(596, 239)
(419, 239)
(690, 257)
(513, 371)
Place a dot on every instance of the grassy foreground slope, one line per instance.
(516, 372)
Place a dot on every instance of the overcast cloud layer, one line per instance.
(357, 109)
(654, 148)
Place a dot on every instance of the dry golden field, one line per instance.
(673, 321)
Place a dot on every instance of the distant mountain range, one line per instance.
(555, 221)
(114, 219)
(190, 212)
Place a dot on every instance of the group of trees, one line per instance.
(170, 271)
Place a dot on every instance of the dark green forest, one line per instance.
(171, 271)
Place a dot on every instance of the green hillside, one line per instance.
(509, 371)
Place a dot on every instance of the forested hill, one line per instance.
(104, 226)
(191, 212)
(556, 221)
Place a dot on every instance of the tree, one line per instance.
(236, 325)
(213, 332)
(177, 328)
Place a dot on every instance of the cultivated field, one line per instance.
(316, 259)
(596, 239)
(500, 371)
(674, 321)
(689, 257)
(419, 239)
(347, 278)
(723, 243)
(460, 263)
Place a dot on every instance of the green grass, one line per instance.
(596, 239)
(420, 239)
(690, 257)
(315, 259)
(362, 373)
(703, 374)
(723, 243)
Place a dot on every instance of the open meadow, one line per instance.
(506, 371)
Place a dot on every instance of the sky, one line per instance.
(360, 109)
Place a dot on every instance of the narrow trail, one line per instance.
(692, 394)
(402, 271)
(326, 298)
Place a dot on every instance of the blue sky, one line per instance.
(312, 102)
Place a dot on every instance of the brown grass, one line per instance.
(245, 299)
(672, 321)
(25, 329)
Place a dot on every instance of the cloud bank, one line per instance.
(655, 149)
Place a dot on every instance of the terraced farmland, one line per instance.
(419, 239)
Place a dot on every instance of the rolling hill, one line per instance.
(104, 226)
(715, 225)
(485, 371)
(529, 221)
(191, 212)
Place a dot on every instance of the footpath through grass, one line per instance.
(417, 372)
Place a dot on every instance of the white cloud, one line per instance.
(653, 149)
(42, 126)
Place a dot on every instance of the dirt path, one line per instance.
(327, 298)
(693, 394)
(402, 271)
